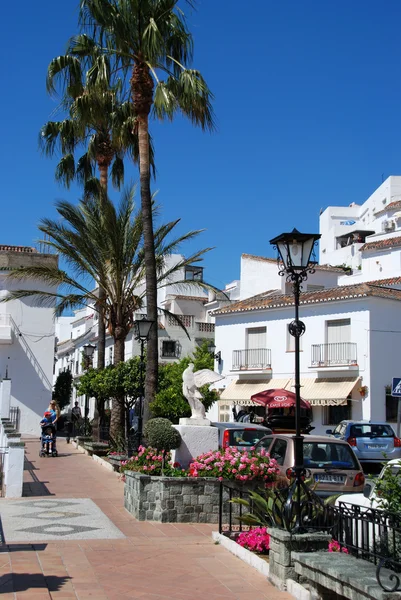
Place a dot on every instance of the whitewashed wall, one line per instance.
(230, 335)
(365, 217)
(30, 357)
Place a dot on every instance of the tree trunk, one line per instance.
(101, 361)
(103, 174)
(101, 342)
(117, 417)
(142, 94)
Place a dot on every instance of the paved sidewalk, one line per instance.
(152, 562)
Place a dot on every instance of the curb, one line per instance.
(296, 590)
(246, 555)
(98, 459)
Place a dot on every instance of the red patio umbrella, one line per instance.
(278, 399)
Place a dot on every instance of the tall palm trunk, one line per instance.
(117, 419)
(142, 95)
(98, 418)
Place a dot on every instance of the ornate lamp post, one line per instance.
(295, 251)
(212, 349)
(142, 329)
(89, 350)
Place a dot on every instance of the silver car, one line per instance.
(372, 441)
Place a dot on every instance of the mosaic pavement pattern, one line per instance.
(55, 519)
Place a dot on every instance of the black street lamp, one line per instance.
(295, 251)
(142, 329)
(89, 350)
(212, 349)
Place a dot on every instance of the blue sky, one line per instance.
(308, 105)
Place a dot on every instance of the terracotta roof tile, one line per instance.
(388, 281)
(379, 244)
(274, 260)
(274, 299)
(182, 297)
(25, 249)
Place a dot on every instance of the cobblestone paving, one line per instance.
(152, 562)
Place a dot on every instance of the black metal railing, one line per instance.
(373, 535)
(339, 353)
(370, 534)
(229, 513)
(15, 416)
(259, 358)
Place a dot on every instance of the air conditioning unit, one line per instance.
(388, 225)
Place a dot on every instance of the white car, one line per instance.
(368, 498)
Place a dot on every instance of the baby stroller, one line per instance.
(48, 441)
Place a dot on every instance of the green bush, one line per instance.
(161, 434)
(388, 489)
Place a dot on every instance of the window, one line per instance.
(111, 355)
(278, 451)
(256, 338)
(391, 407)
(194, 273)
(224, 413)
(333, 415)
(328, 455)
(291, 342)
(338, 331)
(169, 349)
(314, 288)
(245, 437)
(186, 320)
(265, 443)
(77, 367)
(371, 431)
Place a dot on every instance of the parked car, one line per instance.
(372, 441)
(329, 462)
(241, 435)
(368, 498)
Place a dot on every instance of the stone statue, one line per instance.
(191, 382)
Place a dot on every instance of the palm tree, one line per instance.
(98, 120)
(147, 40)
(104, 243)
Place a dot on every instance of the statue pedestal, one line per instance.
(199, 421)
(196, 440)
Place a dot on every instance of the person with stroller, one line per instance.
(55, 411)
(48, 436)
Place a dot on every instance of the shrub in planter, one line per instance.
(161, 434)
(256, 540)
(151, 461)
(233, 464)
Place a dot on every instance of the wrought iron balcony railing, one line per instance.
(259, 358)
(336, 354)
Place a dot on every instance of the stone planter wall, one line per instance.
(282, 547)
(174, 499)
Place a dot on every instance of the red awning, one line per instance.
(278, 399)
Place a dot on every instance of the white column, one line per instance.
(5, 397)
(14, 469)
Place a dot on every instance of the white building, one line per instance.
(352, 337)
(26, 339)
(188, 303)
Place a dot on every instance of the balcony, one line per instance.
(340, 354)
(252, 360)
(204, 327)
(5, 329)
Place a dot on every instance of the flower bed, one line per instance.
(158, 491)
(150, 461)
(256, 539)
(233, 464)
(228, 464)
